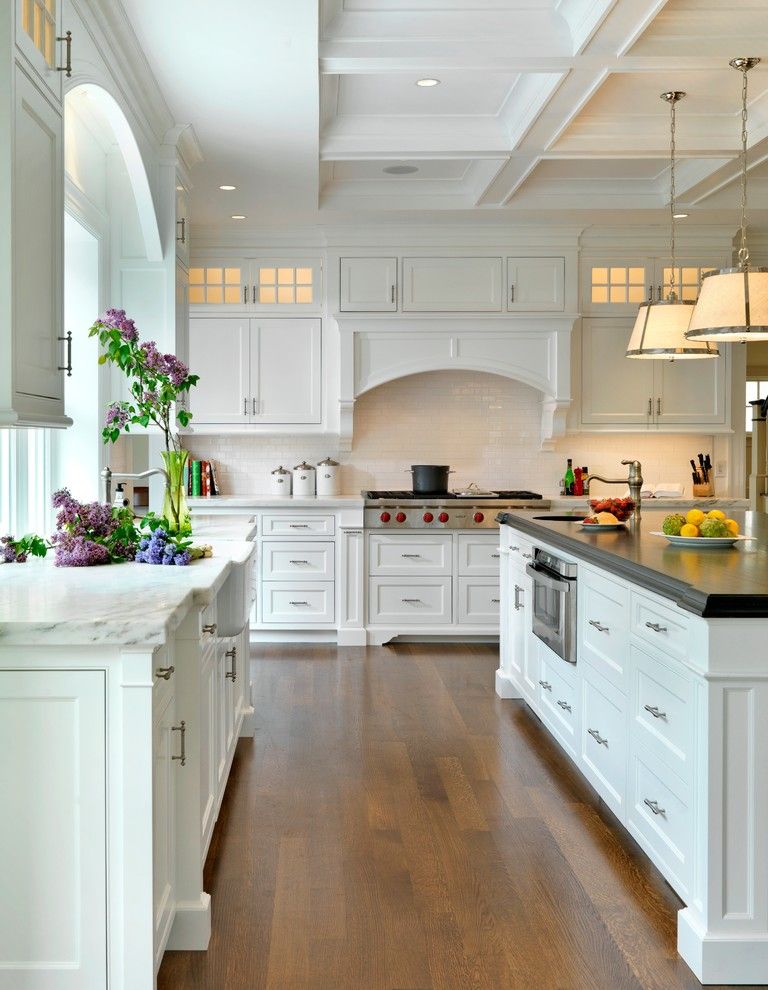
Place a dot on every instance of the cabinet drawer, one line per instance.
(293, 604)
(428, 555)
(558, 702)
(662, 720)
(604, 626)
(520, 550)
(393, 601)
(660, 818)
(479, 601)
(298, 525)
(292, 560)
(604, 742)
(662, 627)
(479, 556)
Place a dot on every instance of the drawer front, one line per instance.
(479, 601)
(660, 818)
(558, 701)
(298, 525)
(428, 555)
(604, 743)
(662, 715)
(294, 560)
(604, 627)
(664, 628)
(479, 557)
(296, 604)
(392, 601)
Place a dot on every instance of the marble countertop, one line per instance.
(115, 605)
(199, 505)
(205, 529)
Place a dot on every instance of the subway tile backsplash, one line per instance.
(486, 427)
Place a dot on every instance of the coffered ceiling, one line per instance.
(544, 109)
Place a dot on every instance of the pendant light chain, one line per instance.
(672, 192)
(743, 250)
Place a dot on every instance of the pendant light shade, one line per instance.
(733, 302)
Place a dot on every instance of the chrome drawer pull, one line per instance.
(299, 603)
(164, 672)
(298, 525)
(656, 627)
(411, 601)
(528, 556)
(546, 685)
(495, 601)
(210, 628)
(182, 757)
(514, 548)
(518, 592)
(597, 737)
(232, 674)
(298, 561)
(411, 556)
(654, 806)
(598, 626)
(653, 709)
(564, 705)
(495, 555)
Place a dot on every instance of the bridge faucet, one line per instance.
(634, 482)
(107, 477)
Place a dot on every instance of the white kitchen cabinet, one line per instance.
(617, 286)
(399, 601)
(38, 26)
(368, 285)
(182, 222)
(226, 669)
(256, 372)
(209, 744)
(219, 285)
(691, 393)
(604, 740)
(479, 601)
(167, 743)
(535, 284)
(231, 285)
(297, 603)
(53, 829)
(442, 285)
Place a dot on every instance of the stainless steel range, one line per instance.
(452, 510)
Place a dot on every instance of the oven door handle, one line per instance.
(543, 578)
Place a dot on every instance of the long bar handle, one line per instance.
(183, 238)
(232, 673)
(68, 366)
(67, 67)
(182, 757)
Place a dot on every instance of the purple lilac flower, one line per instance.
(143, 543)
(150, 396)
(182, 559)
(79, 551)
(176, 370)
(117, 415)
(117, 320)
(7, 551)
(153, 359)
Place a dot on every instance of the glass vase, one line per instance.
(175, 509)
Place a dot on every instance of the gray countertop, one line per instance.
(730, 583)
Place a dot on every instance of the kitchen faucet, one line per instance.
(634, 481)
(107, 476)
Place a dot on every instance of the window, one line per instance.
(38, 19)
(687, 282)
(285, 286)
(756, 389)
(25, 481)
(621, 284)
(218, 286)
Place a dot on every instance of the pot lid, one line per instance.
(328, 462)
(280, 470)
(303, 467)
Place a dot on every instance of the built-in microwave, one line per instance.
(554, 603)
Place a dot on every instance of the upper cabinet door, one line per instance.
(218, 353)
(182, 223)
(610, 289)
(615, 390)
(535, 284)
(222, 286)
(283, 286)
(286, 371)
(691, 392)
(368, 285)
(38, 26)
(458, 285)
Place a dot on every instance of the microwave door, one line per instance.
(550, 605)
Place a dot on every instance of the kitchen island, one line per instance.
(665, 710)
(123, 689)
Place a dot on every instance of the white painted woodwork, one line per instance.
(604, 626)
(296, 603)
(298, 524)
(614, 389)
(295, 561)
(368, 285)
(404, 603)
(661, 698)
(41, 60)
(53, 830)
(535, 284)
(691, 393)
(662, 627)
(452, 285)
(209, 717)
(182, 222)
(559, 700)
(232, 285)
(604, 740)
(219, 351)
(165, 744)
(225, 721)
(479, 600)
(393, 553)
(479, 555)
(351, 588)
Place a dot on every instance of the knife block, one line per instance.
(704, 491)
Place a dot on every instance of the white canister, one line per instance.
(280, 481)
(328, 477)
(303, 479)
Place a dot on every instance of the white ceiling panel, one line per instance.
(375, 170)
(461, 93)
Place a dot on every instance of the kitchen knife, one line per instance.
(696, 479)
(703, 469)
(708, 465)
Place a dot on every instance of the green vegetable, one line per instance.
(713, 528)
(673, 524)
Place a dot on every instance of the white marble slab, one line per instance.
(200, 505)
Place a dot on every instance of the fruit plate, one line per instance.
(703, 542)
(600, 527)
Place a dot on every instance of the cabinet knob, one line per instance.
(165, 672)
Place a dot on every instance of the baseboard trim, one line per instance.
(192, 925)
(506, 687)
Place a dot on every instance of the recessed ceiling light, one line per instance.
(680, 216)
(179, 188)
(426, 83)
(400, 169)
(238, 216)
(227, 188)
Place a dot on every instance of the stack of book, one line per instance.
(201, 478)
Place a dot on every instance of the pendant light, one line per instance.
(733, 302)
(659, 331)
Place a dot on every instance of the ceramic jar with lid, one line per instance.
(303, 479)
(328, 477)
(280, 481)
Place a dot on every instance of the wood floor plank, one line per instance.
(288, 960)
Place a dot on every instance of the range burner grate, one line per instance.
(501, 496)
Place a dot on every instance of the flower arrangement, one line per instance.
(17, 551)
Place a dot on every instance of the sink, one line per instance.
(233, 603)
(556, 518)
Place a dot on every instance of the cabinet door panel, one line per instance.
(368, 285)
(615, 390)
(286, 371)
(690, 392)
(182, 223)
(38, 249)
(38, 24)
(535, 284)
(442, 285)
(218, 352)
(164, 740)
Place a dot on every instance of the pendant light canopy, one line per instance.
(659, 331)
(733, 302)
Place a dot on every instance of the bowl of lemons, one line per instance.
(705, 530)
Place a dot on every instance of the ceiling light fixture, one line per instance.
(679, 216)
(659, 330)
(400, 169)
(227, 188)
(427, 83)
(238, 216)
(733, 302)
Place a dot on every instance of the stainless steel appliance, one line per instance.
(554, 603)
(453, 510)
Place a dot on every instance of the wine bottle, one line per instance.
(569, 478)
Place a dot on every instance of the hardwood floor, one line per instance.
(395, 826)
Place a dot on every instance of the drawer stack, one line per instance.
(298, 569)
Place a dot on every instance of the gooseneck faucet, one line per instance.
(108, 476)
(634, 482)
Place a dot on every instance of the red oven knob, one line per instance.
(428, 517)
(385, 517)
(479, 517)
(443, 517)
(400, 517)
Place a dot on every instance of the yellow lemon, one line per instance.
(715, 514)
(694, 517)
(689, 529)
(732, 526)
